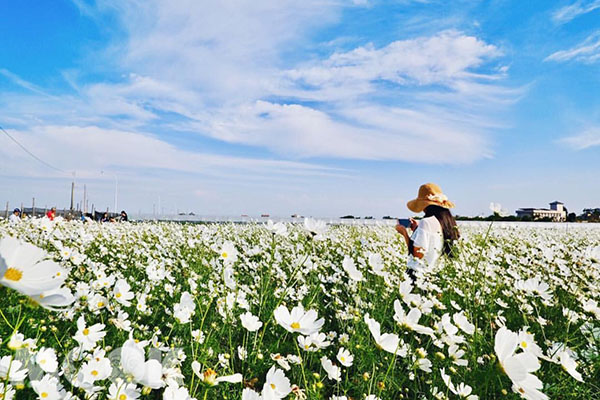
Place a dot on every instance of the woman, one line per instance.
(434, 234)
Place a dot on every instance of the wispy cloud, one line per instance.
(588, 138)
(17, 80)
(587, 51)
(223, 71)
(572, 11)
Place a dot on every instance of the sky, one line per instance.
(318, 107)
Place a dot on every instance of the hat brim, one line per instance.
(418, 205)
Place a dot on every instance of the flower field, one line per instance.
(295, 311)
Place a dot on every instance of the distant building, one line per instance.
(556, 212)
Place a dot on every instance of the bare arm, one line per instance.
(416, 251)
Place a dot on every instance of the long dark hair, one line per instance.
(449, 227)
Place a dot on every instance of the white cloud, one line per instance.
(88, 150)
(588, 138)
(572, 11)
(445, 58)
(587, 51)
(223, 70)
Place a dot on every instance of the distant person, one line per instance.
(51, 214)
(15, 217)
(123, 217)
(105, 218)
(433, 235)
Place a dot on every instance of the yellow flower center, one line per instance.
(273, 386)
(100, 304)
(86, 332)
(295, 325)
(95, 373)
(44, 395)
(343, 359)
(523, 344)
(118, 295)
(58, 273)
(122, 397)
(42, 361)
(210, 376)
(224, 255)
(13, 274)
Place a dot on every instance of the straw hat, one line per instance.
(429, 194)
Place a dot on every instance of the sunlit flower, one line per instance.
(122, 292)
(333, 371)
(87, 337)
(518, 367)
(298, 320)
(387, 341)
(25, 268)
(350, 267)
(250, 321)
(209, 376)
(277, 385)
(345, 357)
(46, 359)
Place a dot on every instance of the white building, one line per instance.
(556, 212)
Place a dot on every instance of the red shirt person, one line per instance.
(51, 213)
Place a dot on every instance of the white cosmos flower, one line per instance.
(518, 367)
(591, 306)
(209, 376)
(134, 364)
(228, 277)
(250, 321)
(333, 371)
(277, 385)
(24, 267)
(455, 354)
(376, 263)
(350, 268)
(463, 323)
(122, 292)
(314, 342)
(345, 357)
(279, 228)
(184, 310)
(94, 370)
(10, 369)
(123, 391)
(88, 337)
(97, 302)
(281, 361)
(461, 390)
(46, 359)
(298, 320)
(249, 394)
(56, 299)
(316, 227)
(174, 392)
(228, 253)
(47, 388)
(387, 341)
(535, 287)
(411, 320)
(561, 354)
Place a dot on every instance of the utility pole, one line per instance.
(72, 194)
(22, 212)
(6, 213)
(84, 206)
(33, 207)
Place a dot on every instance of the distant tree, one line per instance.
(572, 217)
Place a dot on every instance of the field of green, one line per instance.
(295, 311)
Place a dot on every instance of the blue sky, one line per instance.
(317, 107)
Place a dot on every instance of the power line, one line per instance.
(30, 153)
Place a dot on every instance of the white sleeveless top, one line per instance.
(430, 239)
